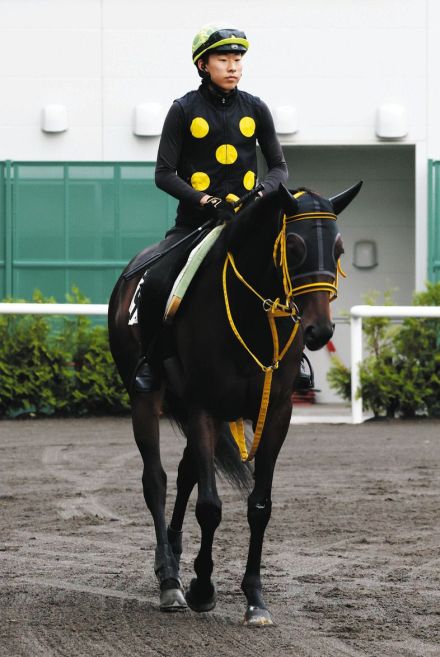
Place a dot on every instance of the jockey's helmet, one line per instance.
(212, 38)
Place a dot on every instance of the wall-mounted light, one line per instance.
(54, 118)
(285, 118)
(365, 254)
(148, 119)
(391, 121)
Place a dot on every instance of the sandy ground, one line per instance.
(351, 560)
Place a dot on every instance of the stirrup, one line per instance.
(145, 377)
(306, 378)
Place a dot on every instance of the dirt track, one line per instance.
(352, 555)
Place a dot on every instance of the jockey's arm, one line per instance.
(271, 148)
(170, 148)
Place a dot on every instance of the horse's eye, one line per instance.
(338, 248)
(296, 250)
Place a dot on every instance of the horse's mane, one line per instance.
(251, 218)
(264, 211)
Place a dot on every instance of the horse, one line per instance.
(261, 295)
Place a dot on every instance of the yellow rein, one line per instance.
(273, 310)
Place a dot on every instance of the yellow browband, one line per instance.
(273, 310)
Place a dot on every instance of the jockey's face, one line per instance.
(225, 69)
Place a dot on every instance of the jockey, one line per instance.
(207, 155)
(209, 136)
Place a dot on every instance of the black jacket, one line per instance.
(208, 146)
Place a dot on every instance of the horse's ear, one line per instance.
(288, 202)
(340, 201)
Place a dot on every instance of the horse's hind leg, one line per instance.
(145, 417)
(202, 437)
(186, 480)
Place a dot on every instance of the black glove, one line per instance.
(219, 209)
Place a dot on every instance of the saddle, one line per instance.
(167, 279)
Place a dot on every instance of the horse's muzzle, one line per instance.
(317, 335)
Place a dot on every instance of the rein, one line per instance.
(273, 310)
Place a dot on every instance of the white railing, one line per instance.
(357, 313)
(53, 308)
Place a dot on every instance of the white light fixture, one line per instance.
(365, 254)
(391, 121)
(148, 119)
(285, 118)
(54, 118)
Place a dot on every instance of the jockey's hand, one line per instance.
(219, 209)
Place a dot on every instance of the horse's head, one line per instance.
(313, 248)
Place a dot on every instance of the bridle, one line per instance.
(275, 309)
(280, 248)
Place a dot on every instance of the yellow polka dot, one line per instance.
(200, 181)
(199, 127)
(247, 126)
(226, 154)
(249, 180)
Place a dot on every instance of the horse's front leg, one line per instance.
(259, 512)
(145, 417)
(203, 433)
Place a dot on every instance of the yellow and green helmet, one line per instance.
(212, 38)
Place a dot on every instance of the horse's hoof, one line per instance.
(201, 600)
(172, 600)
(257, 617)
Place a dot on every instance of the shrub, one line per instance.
(401, 374)
(57, 366)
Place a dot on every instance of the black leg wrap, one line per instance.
(165, 565)
(175, 541)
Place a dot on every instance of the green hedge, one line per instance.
(400, 377)
(60, 366)
(63, 366)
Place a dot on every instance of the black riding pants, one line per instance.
(158, 282)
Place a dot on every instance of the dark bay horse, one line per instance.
(277, 261)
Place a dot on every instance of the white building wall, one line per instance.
(432, 72)
(336, 62)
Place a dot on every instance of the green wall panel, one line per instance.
(76, 223)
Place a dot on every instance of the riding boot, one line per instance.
(146, 378)
(306, 379)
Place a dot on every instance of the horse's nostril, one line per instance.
(317, 335)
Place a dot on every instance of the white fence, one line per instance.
(53, 309)
(357, 313)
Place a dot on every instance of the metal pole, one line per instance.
(356, 360)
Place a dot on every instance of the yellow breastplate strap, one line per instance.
(273, 309)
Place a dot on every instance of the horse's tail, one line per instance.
(228, 462)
